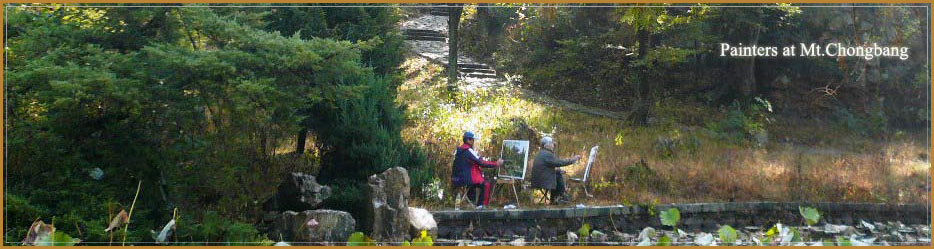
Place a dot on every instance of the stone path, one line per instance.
(426, 36)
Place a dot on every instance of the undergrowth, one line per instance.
(691, 153)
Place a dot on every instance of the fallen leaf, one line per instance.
(119, 220)
(38, 231)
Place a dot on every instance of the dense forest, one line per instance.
(203, 106)
(207, 108)
(635, 57)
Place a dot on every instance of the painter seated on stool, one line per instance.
(466, 171)
(546, 173)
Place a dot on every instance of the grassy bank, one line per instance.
(689, 153)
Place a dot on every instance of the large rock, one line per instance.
(387, 208)
(421, 220)
(298, 192)
(316, 226)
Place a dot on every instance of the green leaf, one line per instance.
(727, 234)
(664, 241)
(766, 241)
(423, 241)
(811, 215)
(670, 217)
(406, 243)
(584, 231)
(843, 241)
(771, 232)
(359, 239)
(796, 235)
(57, 239)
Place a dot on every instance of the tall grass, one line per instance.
(806, 160)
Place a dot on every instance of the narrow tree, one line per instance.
(454, 18)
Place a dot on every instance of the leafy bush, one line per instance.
(243, 234)
(18, 215)
(744, 122)
(200, 104)
(364, 138)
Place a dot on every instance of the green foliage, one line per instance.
(843, 241)
(213, 227)
(727, 234)
(242, 234)
(670, 217)
(772, 231)
(664, 241)
(423, 240)
(57, 239)
(360, 239)
(584, 231)
(201, 104)
(743, 122)
(19, 213)
(368, 132)
(560, 51)
(810, 215)
(375, 25)
(482, 29)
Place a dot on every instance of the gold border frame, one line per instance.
(4, 2)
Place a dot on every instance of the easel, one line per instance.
(511, 181)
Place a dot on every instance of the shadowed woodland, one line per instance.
(206, 109)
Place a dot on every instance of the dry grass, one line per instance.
(805, 160)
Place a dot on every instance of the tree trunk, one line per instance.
(640, 112)
(747, 68)
(300, 143)
(454, 18)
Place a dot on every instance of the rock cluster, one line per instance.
(295, 217)
(320, 227)
(298, 192)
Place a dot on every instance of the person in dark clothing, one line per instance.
(546, 173)
(466, 171)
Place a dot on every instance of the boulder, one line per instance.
(316, 226)
(387, 210)
(421, 220)
(572, 238)
(517, 242)
(298, 192)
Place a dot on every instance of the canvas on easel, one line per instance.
(515, 155)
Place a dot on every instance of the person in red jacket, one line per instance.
(466, 171)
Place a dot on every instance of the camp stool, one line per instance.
(462, 196)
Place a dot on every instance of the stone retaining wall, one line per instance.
(550, 222)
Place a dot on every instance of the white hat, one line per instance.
(547, 140)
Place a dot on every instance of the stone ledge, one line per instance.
(694, 208)
(549, 222)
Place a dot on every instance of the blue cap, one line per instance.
(468, 135)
